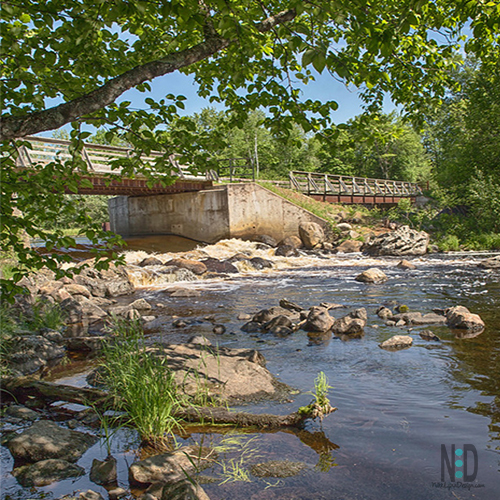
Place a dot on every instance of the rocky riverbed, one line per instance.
(262, 325)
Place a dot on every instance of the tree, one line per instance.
(83, 55)
(379, 146)
(463, 141)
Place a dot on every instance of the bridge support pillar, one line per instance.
(232, 211)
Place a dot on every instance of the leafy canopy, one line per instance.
(70, 61)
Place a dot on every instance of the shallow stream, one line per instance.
(395, 409)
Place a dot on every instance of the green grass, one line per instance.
(143, 385)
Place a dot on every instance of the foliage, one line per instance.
(462, 140)
(380, 146)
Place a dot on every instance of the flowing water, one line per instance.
(396, 410)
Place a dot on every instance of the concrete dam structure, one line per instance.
(227, 211)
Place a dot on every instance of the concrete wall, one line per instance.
(232, 211)
(255, 210)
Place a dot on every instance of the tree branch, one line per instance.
(13, 127)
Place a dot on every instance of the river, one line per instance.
(398, 412)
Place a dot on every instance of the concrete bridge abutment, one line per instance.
(231, 211)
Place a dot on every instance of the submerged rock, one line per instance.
(373, 275)
(397, 342)
(46, 472)
(402, 241)
(349, 325)
(491, 263)
(219, 266)
(286, 251)
(21, 412)
(46, 440)
(406, 265)
(277, 468)
(429, 336)
(103, 471)
(194, 266)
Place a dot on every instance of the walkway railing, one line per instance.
(313, 183)
(98, 158)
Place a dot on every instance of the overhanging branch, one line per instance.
(13, 127)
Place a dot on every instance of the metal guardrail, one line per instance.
(98, 158)
(313, 183)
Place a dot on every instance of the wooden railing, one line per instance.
(99, 158)
(313, 183)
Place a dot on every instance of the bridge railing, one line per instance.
(328, 184)
(98, 158)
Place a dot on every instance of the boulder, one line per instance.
(112, 282)
(46, 472)
(318, 320)
(291, 306)
(460, 317)
(46, 440)
(291, 241)
(349, 326)
(194, 266)
(251, 327)
(373, 275)
(227, 375)
(349, 246)
(218, 266)
(402, 241)
(171, 467)
(397, 342)
(311, 234)
(279, 324)
(30, 353)
(82, 310)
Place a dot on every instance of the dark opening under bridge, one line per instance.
(109, 181)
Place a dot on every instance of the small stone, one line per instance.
(90, 495)
(243, 317)
(150, 261)
(179, 323)
(344, 226)
(251, 327)
(291, 306)
(406, 265)
(384, 313)
(116, 493)
(318, 320)
(373, 275)
(141, 305)
(397, 342)
(219, 329)
(132, 314)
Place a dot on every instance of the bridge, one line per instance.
(107, 180)
(205, 207)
